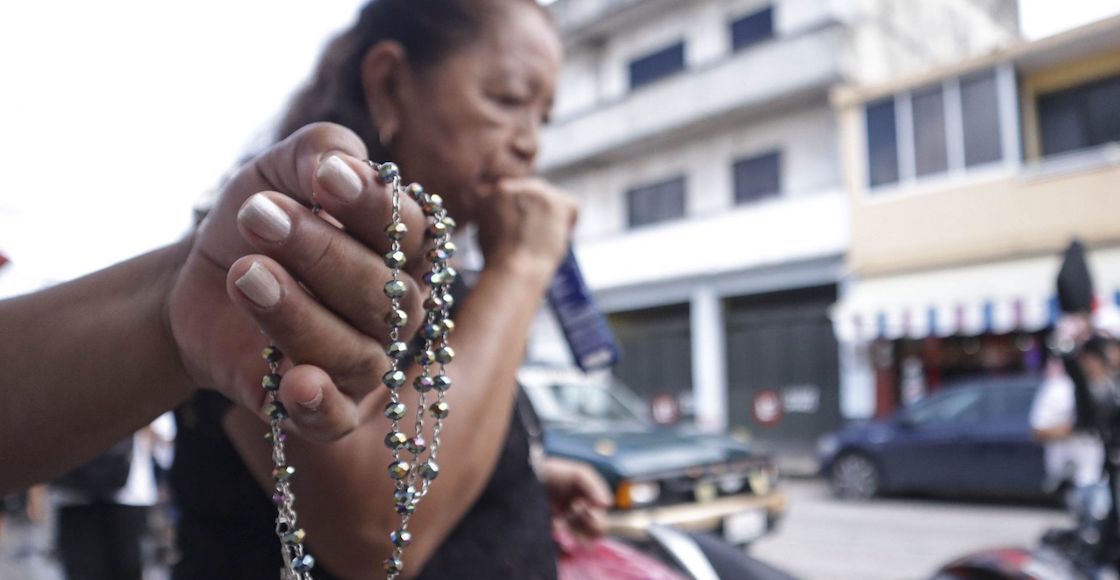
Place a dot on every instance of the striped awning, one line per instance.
(997, 297)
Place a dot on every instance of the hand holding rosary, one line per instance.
(414, 466)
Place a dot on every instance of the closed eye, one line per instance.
(509, 100)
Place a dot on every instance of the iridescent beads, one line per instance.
(414, 476)
(297, 564)
(399, 469)
(395, 439)
(401, 538)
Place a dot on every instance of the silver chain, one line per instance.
(413, 478)
(297, 563)
(436, 350)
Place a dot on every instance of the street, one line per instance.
(26, 554)
(822, 538)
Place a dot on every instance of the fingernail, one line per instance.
(260, 286)
(313, 403)
(340, 180)
(265, 218)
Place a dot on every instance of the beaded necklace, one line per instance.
(414, 466)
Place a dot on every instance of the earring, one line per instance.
(385, 137)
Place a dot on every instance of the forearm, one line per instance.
(1053, 433)
(84, 364)
(345, 494)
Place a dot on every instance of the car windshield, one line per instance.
(574, 402)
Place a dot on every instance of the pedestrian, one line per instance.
(102, 510)
(1074, 455)
(455, 92)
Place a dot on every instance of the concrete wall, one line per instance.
(602, 61)
(806, 138)
(886, 37)
(1009, 210)
(987, 220)
(891, 38)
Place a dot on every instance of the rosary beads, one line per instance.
(414, 467)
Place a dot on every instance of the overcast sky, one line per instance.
(116, 115)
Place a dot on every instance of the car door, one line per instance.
(1014, 460)
(932, 444)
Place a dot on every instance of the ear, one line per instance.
(384, 68)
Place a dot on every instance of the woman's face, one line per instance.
(476, 117)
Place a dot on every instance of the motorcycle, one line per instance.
(667, 554)
(706, 557)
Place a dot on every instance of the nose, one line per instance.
(526, 141)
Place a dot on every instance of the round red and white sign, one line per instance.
(766, 407)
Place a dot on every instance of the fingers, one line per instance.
(301, 168)
(288, 167)
(292, 165)
(340, 272)
(526, 221)
(350, 190)
(560, 202)
(573, 482)
(586, 521)
(302, 328)
(316, 408)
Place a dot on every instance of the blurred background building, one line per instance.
(965, 182)
(702, 143)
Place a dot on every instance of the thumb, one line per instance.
(316, 408)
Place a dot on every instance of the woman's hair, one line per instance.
(429, 30)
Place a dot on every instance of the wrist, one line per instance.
(171, 261)
(535, 271)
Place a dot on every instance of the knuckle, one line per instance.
(323, 257)
(320, 137)
(320, 132)
(368, 363)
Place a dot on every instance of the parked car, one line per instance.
(971, 438)
(659, 475)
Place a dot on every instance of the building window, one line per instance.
(656, 65)
(752, 28)
(656, 202)
(758, 177)
(1080, 117)
(930, 152)
(980, 116)
(882, 143)
(951, 126)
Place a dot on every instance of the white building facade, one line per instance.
(699, 138)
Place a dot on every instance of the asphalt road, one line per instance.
(822, 538)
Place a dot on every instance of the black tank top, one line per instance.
(226, 519)
(226, 529)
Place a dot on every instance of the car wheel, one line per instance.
(855, 476)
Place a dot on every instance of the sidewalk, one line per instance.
(26, 553)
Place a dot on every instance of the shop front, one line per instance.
(906, 335)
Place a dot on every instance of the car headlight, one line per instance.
(632, 494)
(762, 481)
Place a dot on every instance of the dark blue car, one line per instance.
(971, 438)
